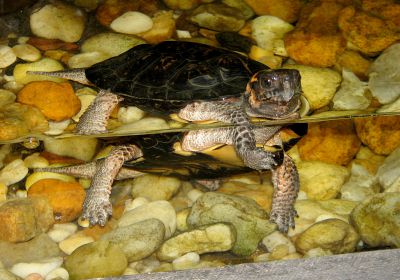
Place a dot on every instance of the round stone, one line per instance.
(132, 23)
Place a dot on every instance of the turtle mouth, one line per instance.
(275, 110)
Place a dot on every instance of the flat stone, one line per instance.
(155, 187)
(27, 52)
(132, 23)
(76, 147)
(42, 267)
(45, 64)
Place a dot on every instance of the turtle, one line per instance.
(197, 82)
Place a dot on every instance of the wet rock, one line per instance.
(87, 59)
(321, 181)
(76, 147)
(213, 238)
(155, 187)
(317, 252)
(42, 267)
(98, 259)
(57, 101)
(368, 159)
(57, 128)
(70, 244)
(58, 21)
(23, 219)
(354, 62)
(132, 23)
(66, 198)
(316, 39)
(377, 221)
(389, 172)
(218, 17)
(287, 10)
(6, 97)
(187, 261)
(7, 56)
(331, 142)
(163, 28)
(138, 240)
(45, 64)
(111, 44)
(38, 248)
(37, 176)
(59, 273)
(181, 5)
(13, 172)
(181, 216)
(334, 235)
(59, 232)
(145, 124)
(352, 93)
(381, 134)
(366, 32)
(384, 75)
(6, 275)
(130, 114)
(278, 245)
(161, 210)
(35, 161)
(249, 220)
(27, 52)
(241, 5)
(319, 84)
(266, 30)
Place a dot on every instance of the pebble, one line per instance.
(57, 128)
(249, 220)
(241, 5)
(334, 235)
(6, 275)
(58, 274)
(77, 147)
(130, 114)
(35, 161)
(112, 44)
(42, 267)
(132, 204)
(161, 210)
(138, 240)
(163, 28)
(288, 10)
(181, 216)
(145, 124)
(57, 101)
(60, 232)
(97, 259)
(351, 94)
(36, 176)
(60, 21)
(389, 172)
(132, 23)
(66, 198)
(86, 100)
(71, 243)
(181, 5)
(6, 97)
(381, 134)
(266, 29)
(36, 249)
(155, 187)
(331, 142)
(87, 59)
(377, 221)
(45, 64)
(321, 181)
(146, 265)
(186, 261)
(218, 17)
(277, 240)
(27, 52)
(7, 56)
(213, 238)
(317, 252)
(13, 172)
(354, 62)
(194, 194)
(34, 276)
(319, 84)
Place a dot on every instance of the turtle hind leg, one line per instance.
(76, 75)
(286, 183)
(94, 120)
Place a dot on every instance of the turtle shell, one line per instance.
(163, 78)
(161, 157)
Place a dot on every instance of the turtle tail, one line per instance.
(76, 75)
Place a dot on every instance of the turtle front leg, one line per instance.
(286, 183)
(242, 137)
(94, 120)
(97, 206)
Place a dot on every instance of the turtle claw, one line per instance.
(284, 219)
(259, 159)
(97, 212)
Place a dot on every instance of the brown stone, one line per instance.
(52, 44)
(381, 134)
(23, 219)
(163, 28)
(66, 198)
(288, 10)
(331, 142)
(355, 62)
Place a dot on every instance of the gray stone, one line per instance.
(40, 247)
(249, 219)
(138, 240)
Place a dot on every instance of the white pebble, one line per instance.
(57, 128)
(183, 34)
(7, 56)
(73, 242)
(130, 114)
(13, 172)
(60, 232)
(132, 23)
(42, 267)
(84, 60)
(35, 161)
(22, 194)
(194, 194)
(57, 274)
(186, 261)
(27, 52)
(132, 204)
(275, 239)
(145, 124)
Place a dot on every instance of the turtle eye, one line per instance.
(267, 82)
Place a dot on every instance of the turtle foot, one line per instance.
(284, 218)
(97, 210)
(259, 159)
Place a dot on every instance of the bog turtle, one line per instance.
(198, 83)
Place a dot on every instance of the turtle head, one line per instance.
(273, 94)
